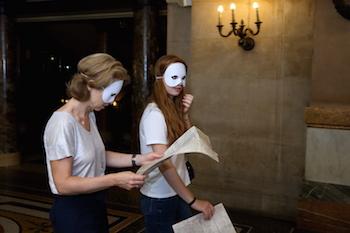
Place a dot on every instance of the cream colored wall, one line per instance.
(179, 31)
(331, 69)
(250, 103)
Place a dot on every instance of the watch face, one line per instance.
(343, 8)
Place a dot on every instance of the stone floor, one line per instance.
(31, 178)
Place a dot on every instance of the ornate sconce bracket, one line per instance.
(244, 33)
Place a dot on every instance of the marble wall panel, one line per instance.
(327, 156)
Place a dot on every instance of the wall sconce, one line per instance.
(245, 42)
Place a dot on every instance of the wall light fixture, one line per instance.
(245, 41)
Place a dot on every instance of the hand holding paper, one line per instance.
(192, 141)
(219, 223)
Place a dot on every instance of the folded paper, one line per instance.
(219, 223)
(192, 141)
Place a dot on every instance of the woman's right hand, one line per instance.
(147, 158)
(127, 180)
(205, 207)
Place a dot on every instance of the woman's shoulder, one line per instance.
(62, 116)
(60, 119)
(152, 117)
(152, 108)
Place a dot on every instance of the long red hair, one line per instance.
(171, 107)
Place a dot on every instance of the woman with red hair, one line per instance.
(165, 198)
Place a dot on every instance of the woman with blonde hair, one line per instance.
(165, 198)
(75, 154)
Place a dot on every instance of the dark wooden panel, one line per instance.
(323, 217)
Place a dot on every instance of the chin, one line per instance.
(174, 94)
(99, 108)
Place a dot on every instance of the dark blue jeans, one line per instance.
(161, 213)
(84, 213)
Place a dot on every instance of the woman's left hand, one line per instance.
(147, 158)
(187, 102)
(205, 207)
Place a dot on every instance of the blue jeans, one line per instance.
(85, 213)
(161, 213)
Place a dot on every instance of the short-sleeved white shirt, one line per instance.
(153, 130)
(65, 137)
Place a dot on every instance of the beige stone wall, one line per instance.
(330, 65)
(251, 104)
(179, 31)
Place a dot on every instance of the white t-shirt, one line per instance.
(153, 130)
(65, 137)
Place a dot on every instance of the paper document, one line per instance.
(192, 141)
(219, 223)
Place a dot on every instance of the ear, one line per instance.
(89, 84)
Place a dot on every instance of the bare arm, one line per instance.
(169, 172)
(117, 159)
(186, 103)
(67, 184)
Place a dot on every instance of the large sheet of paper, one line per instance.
(219, 223)
(192, 141)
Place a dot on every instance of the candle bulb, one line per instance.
(220, 10)
(256, 7)
(233, 8)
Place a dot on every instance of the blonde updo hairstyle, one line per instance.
(95, 71)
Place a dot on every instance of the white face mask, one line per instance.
(175, 75)
(111, 91)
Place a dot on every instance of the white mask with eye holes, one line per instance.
(175, 74)
(111, 91)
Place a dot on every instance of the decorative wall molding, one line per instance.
(66, 17)
(328, 116)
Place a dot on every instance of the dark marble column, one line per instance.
(8, 142)
(102, 115)
(145, 54)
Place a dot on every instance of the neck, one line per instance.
(78, 108)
